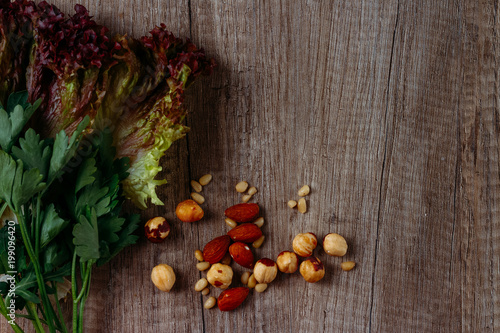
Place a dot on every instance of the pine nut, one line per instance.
(198, 198)
(302, 206)
(304, 190)
(252, 190)
(246, 198)
(261, 287)
(230, 223)
(347, 265)
(199, 255)
(201, 284)
(252, 282)
(259, 222)
(204, 180)
(258, 242)
(244, 277)
(196, 186)
(241, 186)
(226, 260)
(292, 203)
(210, 302)
(203, 266)
(205, 291)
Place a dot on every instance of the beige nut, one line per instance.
(205, 179)
(163, 277)
(261, 287)
(252, 282)
(312, 270)
(347, 265)
(220, 275)
(265, 270)
(244, 277)
(304, 244)
(242, 186)
(199, 255)
(304, 190)
(210, 302)
(201, 284)
(288, 262)
(335, 245)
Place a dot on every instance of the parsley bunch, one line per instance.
(64, 198)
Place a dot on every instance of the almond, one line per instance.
(241, 254)
(216, 249)
(246, 233)
(243, 212)
(232, 298)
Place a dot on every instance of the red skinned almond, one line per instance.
(216, 249)
(243, 212)
(241, 254)
(246, 233)
(232, 298)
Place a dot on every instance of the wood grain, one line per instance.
(389, 110)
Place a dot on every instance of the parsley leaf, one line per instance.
(86, 237)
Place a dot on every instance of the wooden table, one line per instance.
(389, 110)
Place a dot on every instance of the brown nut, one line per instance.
(312, 270)
(287, 262)
(220, 275)
(335, 245)
(189, 211)
(157, 229)
(163, 277)
(265, 270)
(304, 244)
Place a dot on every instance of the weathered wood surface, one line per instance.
(389, 110)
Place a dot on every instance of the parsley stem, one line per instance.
(31, 308)
(37, 225)
(3, 311)
(59, 310)
(3, 208)
(74, 288)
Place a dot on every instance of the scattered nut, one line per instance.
(205, 179)
(312, 270)
(189, 211)
(244, 277)
(304, 190)
(347, 265)
(220, 275)
(157, 229)
(241, 186)
(198, 198)
(196, 186)
(203, 266)
(261, 287)
(201, 284)
(291, 203)
(265, 270)
(205, 291)
(287, 262)
(163, 277)
(199, 255)
(252, 190)
(252, 282)
(259, 222)
(302, 206)
(210, 302)
(231, 223)
(246, 198)
(335, 245)
(258, 242)
(304, 244)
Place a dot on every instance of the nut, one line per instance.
(163, 277)
(304, 244)
(252, 190)
(312, 270)
(246, 233)
(243, 212)
(287, 262)
(241, 186)
(246, 198)
(210, 302)
(261, 287)
(205, 291)
(258, 242)
(259, 222)
(199, 255)
(203, 266)
(198, 198)
(251, 281)
(302, 205)
(232, 298)
(216, 249)
(335, 245)
(244, 277)
(304, 190)
(265, 270)
(231, 223)
(347, 265)
(157, 229)
(241, 254)
(189, 211)
(201, 284)
(291, 203)
(205, 179)
(220, 276)
(196, 186)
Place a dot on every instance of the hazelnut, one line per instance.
(288, 262)
(304, 244)
(163, 277)
(157, 229)
(312, 270)
(220, 276)
(189, 211)
(265, 270)
(335, 245)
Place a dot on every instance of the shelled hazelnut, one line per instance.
(287, 262)
(304, 244)
(157, 229)
(312, 270)
(163, 277)
(335, 245)
(189, 211)
(220, 275)
(265, 270)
